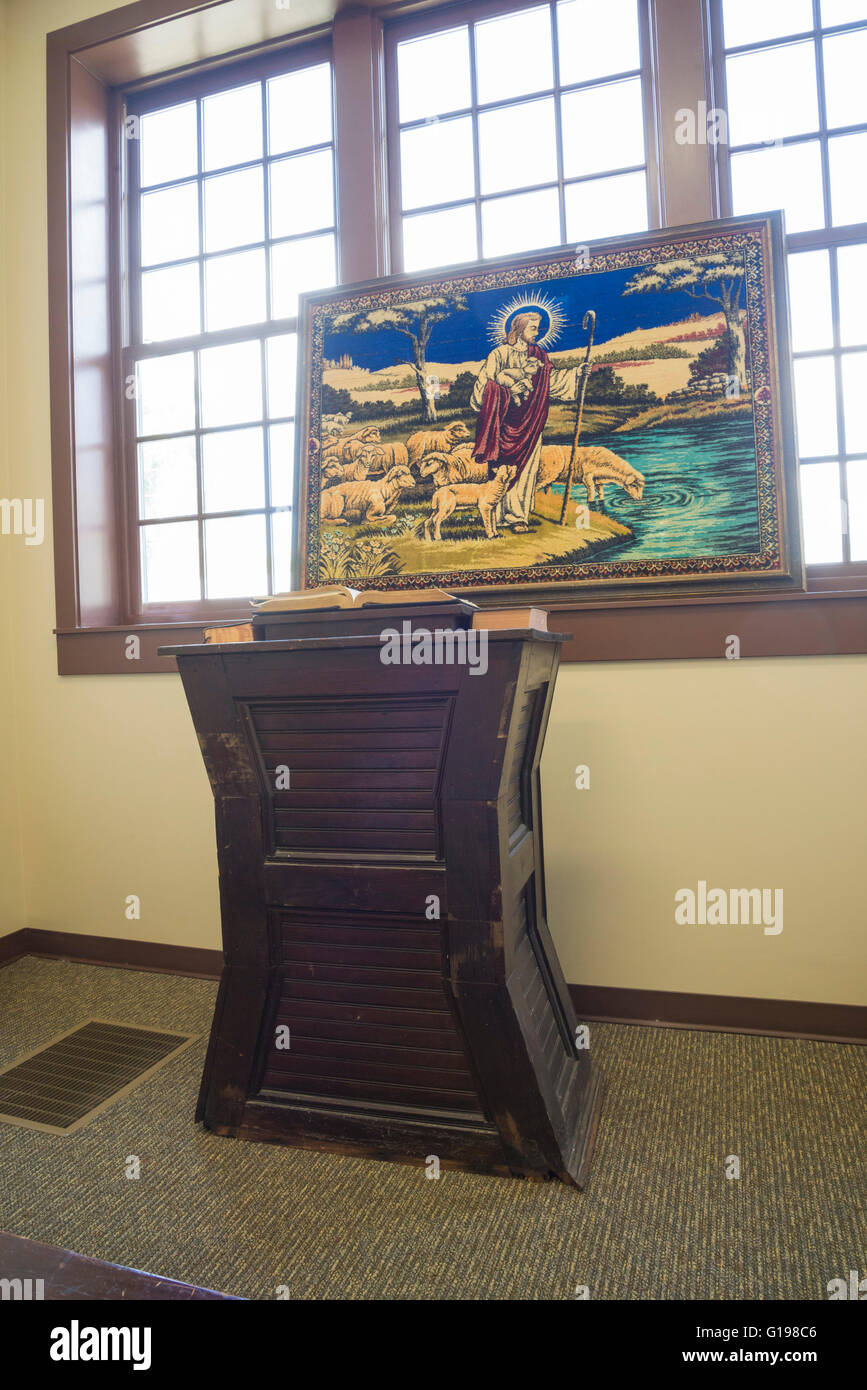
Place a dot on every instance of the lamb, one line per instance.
(333, 471)
(483, 496)
(348, 448)
(430, 441)
(459, 466)
(391, 454)
(334, 424)
(594, 467)
(518, 381)
(365, 501)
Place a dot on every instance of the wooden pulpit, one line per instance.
(390, 987)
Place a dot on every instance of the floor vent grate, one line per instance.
(67, 1081)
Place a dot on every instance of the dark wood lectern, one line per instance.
(387, 906)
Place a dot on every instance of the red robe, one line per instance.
(506, 432)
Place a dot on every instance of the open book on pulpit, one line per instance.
(342, 607)
(341, 596)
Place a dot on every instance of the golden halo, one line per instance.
(543, 303)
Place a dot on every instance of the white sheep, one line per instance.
(431, 441)
(365, 501)
(459, 466)
(483, 496)
(594, 467)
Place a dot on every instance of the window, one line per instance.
(491, 151)
(469, 130)
(231, 213)
(796, 102)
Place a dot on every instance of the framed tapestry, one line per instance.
(611, 415)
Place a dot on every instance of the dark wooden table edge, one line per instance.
(68, 1276)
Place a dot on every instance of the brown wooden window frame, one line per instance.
(150, 43)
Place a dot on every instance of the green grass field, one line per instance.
(403, 549)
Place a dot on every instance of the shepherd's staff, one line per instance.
(589, 318)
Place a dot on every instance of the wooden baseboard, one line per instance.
(722, 1013)
(157, 956)
(717, 1013)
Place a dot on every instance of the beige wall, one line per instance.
(11, 870)
(745, 774)
(113, 795)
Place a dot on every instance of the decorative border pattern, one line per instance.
(750, 242)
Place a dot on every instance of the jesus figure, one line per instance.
(511, 395)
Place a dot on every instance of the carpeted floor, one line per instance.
(658, 1219)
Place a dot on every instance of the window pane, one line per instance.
(854, 367)
(231, 384)
(810, 301)
(235, 557)
(606, 207)
(847, 158)
(513, 55)
(820, 509)
(282, 445)
(169, 144)
(523, 222)
(852, 278)
(170, 562)
(234, 209)
(170, 224)
(233, 470)
(815, 406)
(436, 163)
(745, 21)
(439, 238)
(281, 365)
(281, 532)
(614, 114)
(170, 302)
(595, 39)
(843, 11)
(299, 109)
(856, 478)
(235, 289)
(231, 392)
(433, 74)
(517, 146)
(789, 177)
(302, 194)
(845, 57)
(165, 394)
(167, 477)
(232, 127)
(298, 267)
(772, 94)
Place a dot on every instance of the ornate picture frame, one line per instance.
(616, 416)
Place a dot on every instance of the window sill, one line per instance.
(109, 651)
(820, 622)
